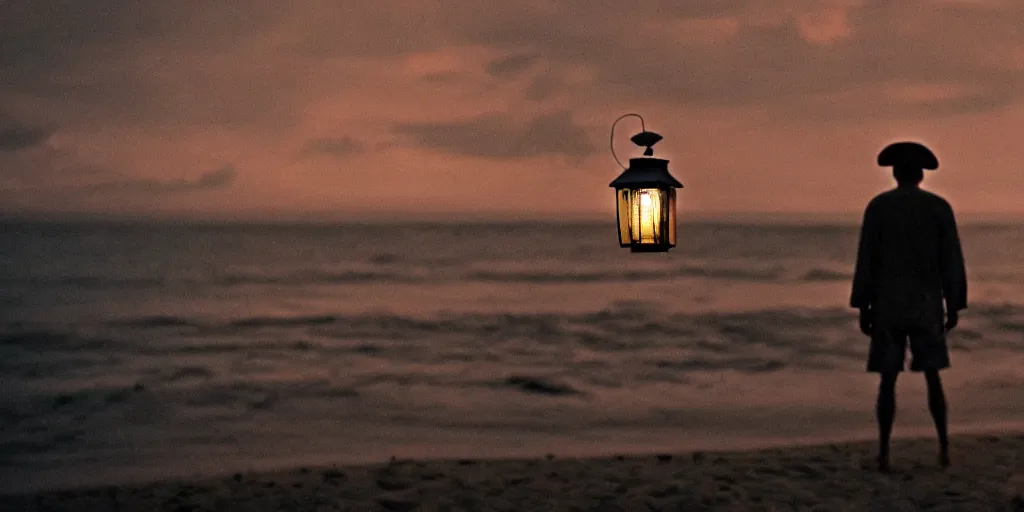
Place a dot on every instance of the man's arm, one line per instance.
(861, 296)
(954, 272)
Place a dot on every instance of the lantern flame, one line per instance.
(646, 214)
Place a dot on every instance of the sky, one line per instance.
(263, 108)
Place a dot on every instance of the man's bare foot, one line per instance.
(883, 463)
(944, 458)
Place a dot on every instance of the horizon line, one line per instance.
(455, 217)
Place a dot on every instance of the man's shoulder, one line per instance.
(896, 195)
(882, 199)
(933, 196)
(937, 201)
(896, 202)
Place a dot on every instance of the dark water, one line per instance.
(147, 350)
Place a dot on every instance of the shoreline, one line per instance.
(370, 443)
(987, 473)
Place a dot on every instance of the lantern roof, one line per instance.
(646, 171)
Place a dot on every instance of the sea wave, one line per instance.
(178, 375)
(152, 322)
(305, 278)
(425, 274)
(822, 274)
(744, 274)
(777, 338)
(85, 282)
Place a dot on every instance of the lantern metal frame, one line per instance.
(645, 174)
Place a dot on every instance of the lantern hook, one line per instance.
(612, 142)
(644, 139)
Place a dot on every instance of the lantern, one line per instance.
(645, 194)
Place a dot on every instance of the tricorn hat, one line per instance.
(911, 154)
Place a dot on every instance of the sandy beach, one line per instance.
(987, 475)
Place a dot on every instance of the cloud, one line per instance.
(543, 86)
(511, 65)
(500, 136)
(213, 180)
(146, 62)
(779, 57)
(342, 146)
(45, 37)
(162, 86)
(19, 136)
(258, 64)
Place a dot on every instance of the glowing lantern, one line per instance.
(646, 198)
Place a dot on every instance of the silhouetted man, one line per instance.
(909, 259)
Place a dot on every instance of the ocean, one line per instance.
(145, 350)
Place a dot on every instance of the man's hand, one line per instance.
(952, 317)
(867, 321)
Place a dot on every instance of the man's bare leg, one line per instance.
(885, 411)
(937, 406)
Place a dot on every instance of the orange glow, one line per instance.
(412, 110)
(646, 215)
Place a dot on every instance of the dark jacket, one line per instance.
(909, 258)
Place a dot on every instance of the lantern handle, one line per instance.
(612, 141)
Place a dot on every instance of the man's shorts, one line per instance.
(888, 349)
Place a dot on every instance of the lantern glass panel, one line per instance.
(643, 211)
(645, 216)
(622, 210)
(671, 228)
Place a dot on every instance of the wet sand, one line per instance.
(987, 475)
